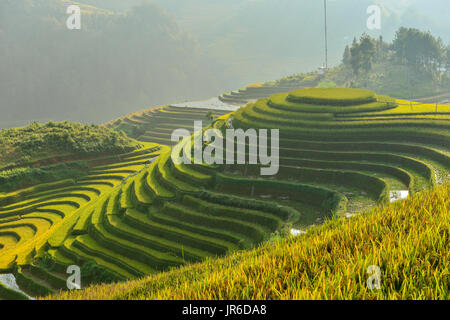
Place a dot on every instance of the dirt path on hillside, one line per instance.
(433, 99)
(213, 104)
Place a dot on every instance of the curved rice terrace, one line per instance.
(362, 147)
(36, 221)
(157, 124)
(254, 92)
(341, 152)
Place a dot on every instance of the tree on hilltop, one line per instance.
(419, 49)
(368, 51)
(346, 60)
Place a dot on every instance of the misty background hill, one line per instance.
(127, 58)
(116, 63)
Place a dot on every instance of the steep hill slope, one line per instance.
(38, 142)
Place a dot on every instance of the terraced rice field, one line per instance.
(330, 262)
(337, 141)
(134, 217)
(254, 92)
(157, 124)
(131, 219)
(47, 215)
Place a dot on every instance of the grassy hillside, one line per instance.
(408, 241)
(37, 141)
(341, 152)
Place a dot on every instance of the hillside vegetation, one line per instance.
(409, 242)
(38, 141)
(341, 152)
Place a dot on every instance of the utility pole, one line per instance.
(326, 35)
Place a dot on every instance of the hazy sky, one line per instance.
(259, 40)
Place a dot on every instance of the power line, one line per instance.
(326, 34)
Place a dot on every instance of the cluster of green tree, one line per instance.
(415, 65)
(20, 178)
(423, 50)
(410, 47)
(362, 54)
(41, 141)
